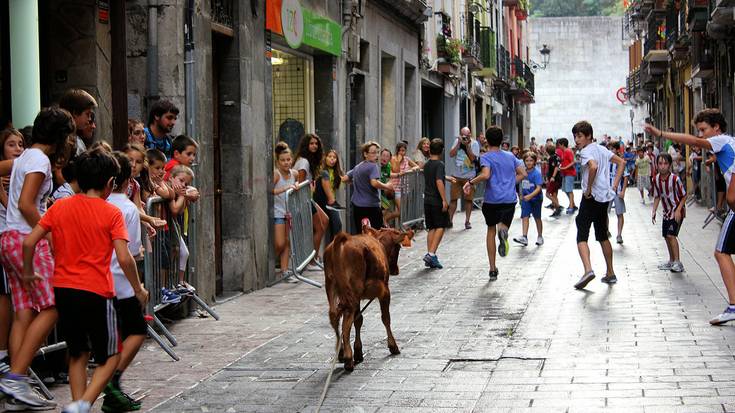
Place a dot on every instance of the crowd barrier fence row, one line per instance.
(412, 198)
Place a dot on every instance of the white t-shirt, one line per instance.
(724, 148)
(302, 164)
(123, 289)
(32, 160)
(601, 188)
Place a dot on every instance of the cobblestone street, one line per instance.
(527, 342)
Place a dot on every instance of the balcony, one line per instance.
(488, 53)
(223, 17)
(703, 62)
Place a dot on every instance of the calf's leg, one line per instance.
(358, 341)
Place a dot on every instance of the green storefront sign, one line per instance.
(303, 26)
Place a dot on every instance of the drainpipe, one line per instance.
(152, 52)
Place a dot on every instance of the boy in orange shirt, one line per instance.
(86, 229)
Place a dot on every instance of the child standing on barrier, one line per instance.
(11, 142)
(35, 311)
(668, 189)
(86, 229)
(531, 199)
(712, 128)
(181, 177)
(436, 207)
(131, 323)
(284, 178)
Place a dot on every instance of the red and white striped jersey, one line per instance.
(671, 191)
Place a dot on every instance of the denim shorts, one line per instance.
(567, 185)
(277, 221)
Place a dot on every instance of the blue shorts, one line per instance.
(567, 184)
(279, 221)
(532, 207)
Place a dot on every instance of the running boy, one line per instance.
(531, 199)
(712, 126)
(643, 173)
(131, 323)
(436, 215)
(668, 189)
(503, 171)
(86, 229)
(596, 195)
(619, 199)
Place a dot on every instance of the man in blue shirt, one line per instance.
(502, 171)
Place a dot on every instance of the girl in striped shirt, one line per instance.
(668, 189)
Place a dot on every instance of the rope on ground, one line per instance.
(338, 347)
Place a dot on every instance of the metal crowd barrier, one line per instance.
(412, 198)
(161, 263)
(300, 234)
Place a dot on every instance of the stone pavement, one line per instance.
(528, 342)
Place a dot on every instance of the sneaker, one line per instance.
(503, 244)
(435, 262)
(727, 315)
(427, 260)
(540, 241)
(570, 211)
(79, 406)
(13, 405)
(19, 387)
(169, 297)
(585, 280)
(609, 279)
(467, 225)
(493, 274)
(665, 266)
(677, 266)
(620, 239)
(523, 240)
(118, 401)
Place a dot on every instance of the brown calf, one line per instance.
(356, 268)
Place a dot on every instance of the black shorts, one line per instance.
(4, 286)
(726, 240)
(669, 227)
(130, 319)
(88, 322)
(434, 217)
(498, 213)
(374, 214)
(594, 213)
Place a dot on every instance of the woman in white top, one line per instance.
(308, 161)
(284, 178)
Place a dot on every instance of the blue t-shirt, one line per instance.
(530, 183)
(501, 187)
(363, 194)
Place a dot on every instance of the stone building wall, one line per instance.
(588, 64)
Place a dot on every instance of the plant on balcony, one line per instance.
(453, 50)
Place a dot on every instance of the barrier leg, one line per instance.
(204, 306)
(152, 334)
(165, 331)
(41, 385)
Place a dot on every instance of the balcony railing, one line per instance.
(223, 13)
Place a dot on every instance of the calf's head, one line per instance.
(391, 239)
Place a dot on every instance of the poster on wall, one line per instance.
(299, 25)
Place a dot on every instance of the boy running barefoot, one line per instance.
(669, 190)
(596, 195)
(503, 171)
(712, 126)
(86, 229)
